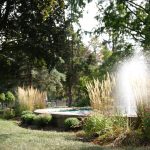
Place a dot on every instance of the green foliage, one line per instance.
(97, 124)
(8, 113)
(10, 97)
(2, 97)
(70, 123)
(35, 35)
(111, 63)
(42, 120)
(20, 108)
(1, 111)
(26, 112)
(51, 81)
(28, 118)
(119, 122)
(82, 103)
(125, 18)
(146, 125)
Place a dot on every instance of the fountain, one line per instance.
(60, 114)
(132, 84)
(131, 88)
(66, 111)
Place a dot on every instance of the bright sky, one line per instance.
(88, 22)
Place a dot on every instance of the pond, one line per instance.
(60, 114)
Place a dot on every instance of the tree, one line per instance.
(79, 62)
(49, 81)
(125, 18)
(32, 32)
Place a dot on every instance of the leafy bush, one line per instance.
(97, 124)
(10, 97)
(82, 103)
(119, 122)
(42, 120)
(1, 111)
(20, 108)
(2, 97)
(26, 112)
(146, 125)
(28, 118)
(8, 113)
(71, 123)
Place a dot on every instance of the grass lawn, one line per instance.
(13, 137)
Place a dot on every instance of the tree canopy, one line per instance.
(39, 47)
(124, 21)
(32, 34)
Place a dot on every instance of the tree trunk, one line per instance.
(70, 95)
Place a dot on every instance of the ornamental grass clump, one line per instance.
(100, 94)
(30, 99)
(142, 97)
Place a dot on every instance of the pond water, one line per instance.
(79, 112)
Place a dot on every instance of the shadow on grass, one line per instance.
(4, 137)
(94, 148)
(39, 128)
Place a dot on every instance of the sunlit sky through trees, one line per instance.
(88, 21)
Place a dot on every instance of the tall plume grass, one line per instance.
(141, 90)
(31, 99)
(100, 94)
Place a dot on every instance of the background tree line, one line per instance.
(39, 47)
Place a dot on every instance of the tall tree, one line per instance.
(31, 31)
(73, 43)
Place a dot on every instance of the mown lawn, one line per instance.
(13, 137)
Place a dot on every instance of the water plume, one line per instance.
(132, 84)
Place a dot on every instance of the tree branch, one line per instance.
(133, 13)
(137, 6)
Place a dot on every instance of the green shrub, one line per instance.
(2, 97)
(82, 103)
(8, 113)
(28, 118)
(119, 122)
(20, 108)
(1, 111)
(71, 123)
(26, 112)
(42, 120)
(97, 124)
(10, 97)
(146, 125)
